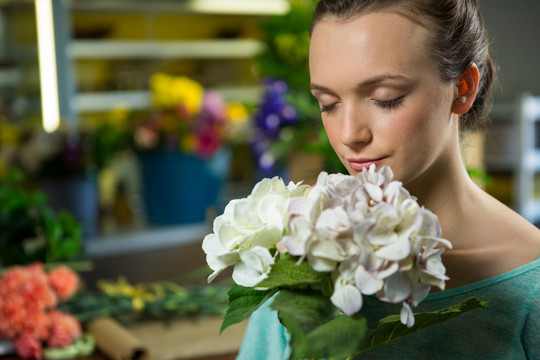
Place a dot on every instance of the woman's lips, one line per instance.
(363, 163)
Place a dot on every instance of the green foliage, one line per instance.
(105, 141)
(287, 45)
(30, 230)
(242, 302)
(390, 328)
(318, 329)
(286, 272)
(154, 301)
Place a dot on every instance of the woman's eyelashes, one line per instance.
(327, 108)
(389, 104)
(384, 104)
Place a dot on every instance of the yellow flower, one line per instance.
(237, 113)
(173, 91)
(139, 294)
(189, 93)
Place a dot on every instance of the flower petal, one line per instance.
(397, 288)
(346, 297)
(406, 316)
(368, 282)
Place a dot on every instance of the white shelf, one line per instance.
(141, 99)
(180, 49)
(145, 240)
(222, 7)
(108, 100)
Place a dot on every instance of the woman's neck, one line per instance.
(448, 191)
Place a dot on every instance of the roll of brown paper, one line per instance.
(115, 341)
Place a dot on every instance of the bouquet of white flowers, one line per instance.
(324, 247)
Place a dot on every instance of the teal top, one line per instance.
(508, 328)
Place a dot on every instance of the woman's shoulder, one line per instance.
(493, 240)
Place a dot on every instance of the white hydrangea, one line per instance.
(248, 229)
(372, 235)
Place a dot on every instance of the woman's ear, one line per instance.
(466, 89)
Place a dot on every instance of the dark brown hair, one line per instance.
(457, 38)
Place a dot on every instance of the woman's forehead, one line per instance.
(377, 42)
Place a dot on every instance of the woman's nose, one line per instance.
(355, 129)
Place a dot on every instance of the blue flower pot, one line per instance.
(80, 197)
(179, 188)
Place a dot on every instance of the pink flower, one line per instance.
(208, 141)
(64, 329)
(64, 281)
(214, 108)
(27, 347)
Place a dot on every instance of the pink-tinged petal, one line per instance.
(390, 270)
(374, 192)
(328, 249)
(335, 220)
(281, 247)
(397, 288)
(406, 316)
(368, 282)
(300, 206)
(392, 192)
(346, 297)
(430, 224)
(361, 231)
(299, 235)
(420, 291)
(386, 173)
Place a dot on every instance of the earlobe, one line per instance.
(467, 88)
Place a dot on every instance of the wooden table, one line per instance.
(186, 339)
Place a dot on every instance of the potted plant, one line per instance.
(182, 147)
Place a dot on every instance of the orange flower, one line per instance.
(64, 329)
(28, 297)
(64, 281)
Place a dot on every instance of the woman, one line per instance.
(397, 82)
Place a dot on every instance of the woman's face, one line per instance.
(381, 97)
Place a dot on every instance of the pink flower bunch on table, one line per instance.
(28, 315)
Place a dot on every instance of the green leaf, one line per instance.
(242, 302)
(286, 272)
(390, 328)
(318, 329)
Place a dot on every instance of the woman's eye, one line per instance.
(326, 108)
(389, 104)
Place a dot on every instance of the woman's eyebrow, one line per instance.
(364, 84)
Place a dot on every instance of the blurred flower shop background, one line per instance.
(126, 126)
